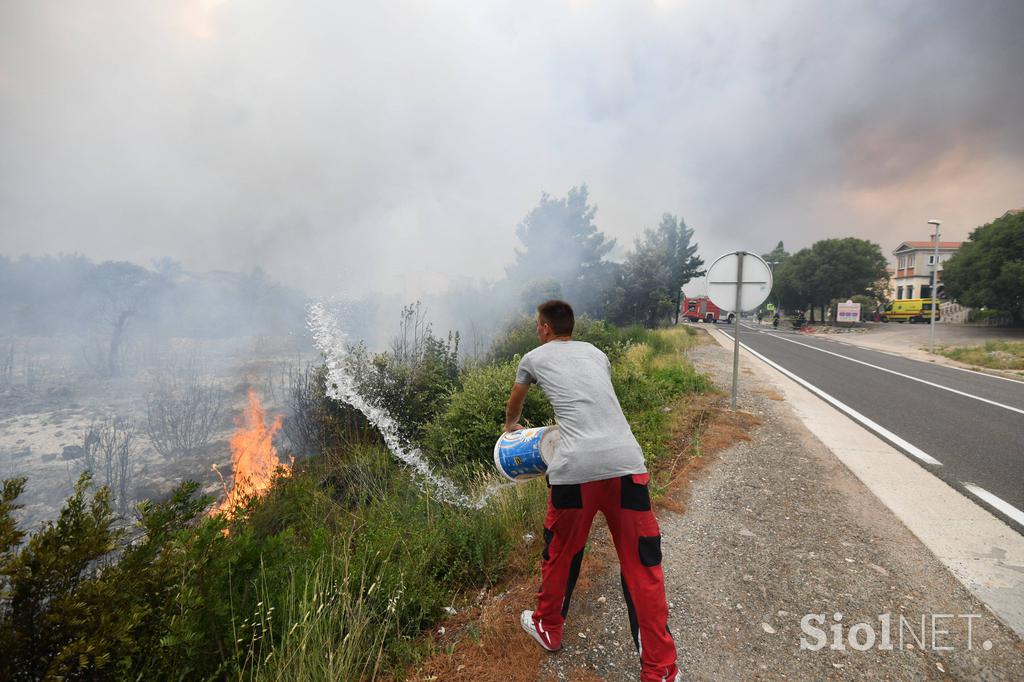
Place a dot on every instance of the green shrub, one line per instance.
(646, 381)
(69, 611)
(517, 339)
(995, 354)
(411, 380)
(466, 430)
(520, 337)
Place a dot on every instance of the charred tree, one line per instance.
(109, 448)
(182, 414)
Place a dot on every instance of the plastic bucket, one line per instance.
(524, 454)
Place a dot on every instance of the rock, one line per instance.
(768, 628)
(747, 533)
(879, 569)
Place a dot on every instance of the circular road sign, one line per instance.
(723, 280)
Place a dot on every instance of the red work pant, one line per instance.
(626, 505)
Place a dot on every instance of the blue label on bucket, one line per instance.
(517, 455)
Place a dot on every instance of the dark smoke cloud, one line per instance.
(346, 147)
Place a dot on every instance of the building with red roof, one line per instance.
(912, 276)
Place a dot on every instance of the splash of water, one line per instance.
(330, 340)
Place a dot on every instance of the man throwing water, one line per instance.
(598, 467)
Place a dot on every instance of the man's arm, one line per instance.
(514, 407)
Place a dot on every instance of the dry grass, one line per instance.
(770, 393)
(704, 427)
(992, 354)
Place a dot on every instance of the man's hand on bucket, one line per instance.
(515, 427)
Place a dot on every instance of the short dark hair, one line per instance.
(558, 315)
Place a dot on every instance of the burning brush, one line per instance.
(253, 457)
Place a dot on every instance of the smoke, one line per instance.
(393, 146)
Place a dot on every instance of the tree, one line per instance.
(182, 413)
(830, 269)
(790, 287)
(988, 270)
(537, 291)
(686, 264)
(124, 291)
(661, 262)
(562, 243)
(647, 282)
(776, 256)
(109, 448)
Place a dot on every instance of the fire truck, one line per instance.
(701, 309)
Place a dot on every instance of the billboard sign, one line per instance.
(848, 312)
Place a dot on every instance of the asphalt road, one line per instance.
(972, 424)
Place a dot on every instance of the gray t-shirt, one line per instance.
(596, 441)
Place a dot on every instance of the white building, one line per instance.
(912, 277)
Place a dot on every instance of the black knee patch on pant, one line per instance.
(650, 550)
(574, 574)
(634, 495)
(634, 623)
(567, 496)
(549, 535)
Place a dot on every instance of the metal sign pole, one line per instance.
(736, 327)
(744, 286)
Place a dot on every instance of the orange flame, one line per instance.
(253, 457)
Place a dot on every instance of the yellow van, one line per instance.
(910, 310)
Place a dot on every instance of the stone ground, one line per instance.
(775, 528)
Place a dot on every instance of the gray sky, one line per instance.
(352, 146)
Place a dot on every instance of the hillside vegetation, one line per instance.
(340, 568)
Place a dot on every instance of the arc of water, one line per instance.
(330, 340)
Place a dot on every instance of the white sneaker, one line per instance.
(537, 631)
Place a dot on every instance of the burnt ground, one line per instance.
(775, 528)
(51, 401)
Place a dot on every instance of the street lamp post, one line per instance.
(935, 285)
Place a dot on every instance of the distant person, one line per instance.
(775, 319)
(597, 466)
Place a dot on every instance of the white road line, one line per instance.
(1000, 504)
(907, 376)
(925, 362)
(880, 430)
